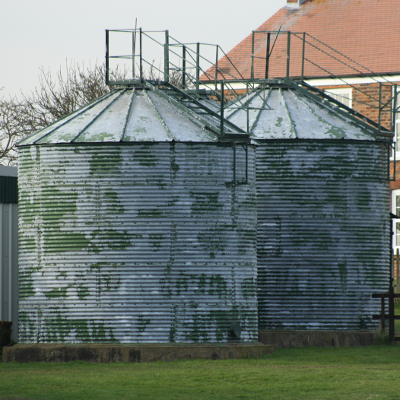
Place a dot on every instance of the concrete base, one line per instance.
(102, 353)
(280, 339)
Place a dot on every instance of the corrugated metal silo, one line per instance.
(323, 206)
(137, 225)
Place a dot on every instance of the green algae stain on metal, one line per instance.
(150, 213)
(142, 323)
(213, 240)
(249, 287)
(205, 202)
(342, 267)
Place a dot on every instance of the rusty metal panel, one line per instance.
(323, 233)
(141, 242)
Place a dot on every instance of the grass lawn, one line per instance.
(397, 321)
(304, 373)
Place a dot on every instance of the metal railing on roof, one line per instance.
(198, 68)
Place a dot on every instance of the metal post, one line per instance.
(183, 67)
(197, 67)
(288, 56)
(302, 56)
(394, 108)
(394, 130)
(247, 163)
(391, 297)
(133, 53)
(252, 56)
(222, 109)
(398, 271)
(107, 56)
(380, 105)
(166, 57)
(247, 110)
(216, 69)
(234, 163)
(267, 55)
(141, 55)
(391, 313)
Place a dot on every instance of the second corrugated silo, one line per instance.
(322, 200)
(137, 225)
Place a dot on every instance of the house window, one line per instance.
(396, 222)
(342, 95)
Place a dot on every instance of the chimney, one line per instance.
(294, 3)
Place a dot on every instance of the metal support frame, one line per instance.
(303, 56)
(267, 55)
(107, 56)
(141, 54)
(183, 67)
(252, 56)
(166, 57)
(288, 56)
(133, 54)
(216, 70)
(197, 67)
(380, 106)
(222, 108)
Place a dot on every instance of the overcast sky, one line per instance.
(46, 33)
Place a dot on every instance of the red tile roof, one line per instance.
(367, 31)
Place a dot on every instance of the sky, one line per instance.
(52, 33)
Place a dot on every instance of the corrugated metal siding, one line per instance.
(136, 243)
(8, 189)
(9, 265)
(323, 234)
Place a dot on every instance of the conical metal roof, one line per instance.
(133, 115)
(282, 112)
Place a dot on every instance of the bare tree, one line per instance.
(11, 112)
(53, 99)
(56, 97)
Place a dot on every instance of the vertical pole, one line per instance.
(252, 56)
(267, 55)
(166, 57)
(222, 110)
(216, 68)
(234, 163)
(398, 271)
(394, 120)
(107, 56)
(380, 105)
(183, 67)
(247, 110)
(141, 55)
(197, 67)
(302, 56)
(288, 56)
(133, 53)
(391, 313)
(247, 163)
(391, 297)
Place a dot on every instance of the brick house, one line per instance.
(346, 48)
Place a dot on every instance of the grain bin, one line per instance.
(137, 225)
(323, 206)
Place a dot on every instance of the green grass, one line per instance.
(304, 373)
(397, 321)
